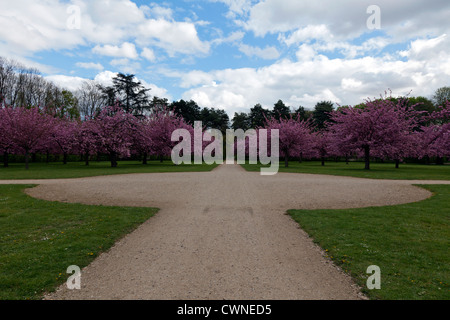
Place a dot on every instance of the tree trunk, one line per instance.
(323, 161)
(144, 161)
(113, 160)
(439, 161)
(47, 157)
(161, 158)
(86, 158)
(65, 158)
(5, 159)
(33, 157)
(347, 159)
(27, 160)
(397, 164)
(367, 157)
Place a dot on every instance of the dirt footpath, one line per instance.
(220, 235)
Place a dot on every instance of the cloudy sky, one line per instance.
(233, 54)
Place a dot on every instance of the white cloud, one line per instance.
(105, 78)
(28, 27)
(66, 82)
(232, 38)
(174, 37)
(306, 52)
(236, 7)
(402, 19)
(148, 54)
(157, 11)
(350, 84)
(125, 65)
(372, 45)
(156, 91)
(308, 33)
(268, 53)
(424, 48)
(126, 50)
(90, 65)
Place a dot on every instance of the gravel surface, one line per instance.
(220, 235)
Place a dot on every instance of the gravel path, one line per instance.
(220, 235)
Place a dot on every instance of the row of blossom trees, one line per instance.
(114, 132)
(384, 128)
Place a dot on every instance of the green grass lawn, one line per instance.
(356, 169)
(410, 243)
(39, 240)
(78, 169)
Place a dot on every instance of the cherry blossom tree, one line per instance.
(380, 127)
(64, 136)
(434, 140)
(88, 139)
(295, 136)
(141, 139)
(6, 144)
(115, 128)
(161, 125)
(323, 144)
(28, 129)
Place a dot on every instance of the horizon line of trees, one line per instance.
(387, 128)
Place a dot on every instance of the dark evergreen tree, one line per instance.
(189, 110)
(322, 113)
(131, 94)
(281, 111)
(215, 119)
(241, 121)
(258, 116)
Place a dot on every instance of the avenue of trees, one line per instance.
(387, 128)
(123, 121)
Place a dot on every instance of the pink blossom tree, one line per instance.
(88, 139)
(434, 140)
(324, 145)
(115, 128)
(64, 136)
(380, 127)
(161, 125)
(6, 143)
(295, 136)
(28, 129)
(141, 139)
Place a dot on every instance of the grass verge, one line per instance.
(408, 242)
(39, 239)
(17, 171)
(356, 169)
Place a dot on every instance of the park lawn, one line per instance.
(356, 169)
(16, 171)
(408, 242)
(39, 239)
